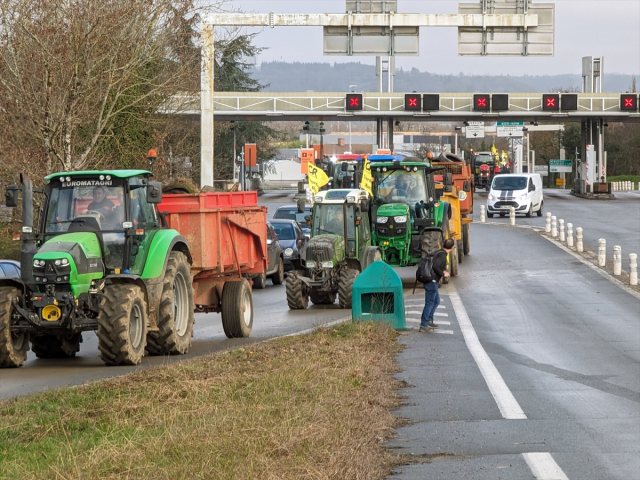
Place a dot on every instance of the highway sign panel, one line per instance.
(542, 170)
(475, 130)
(509, 129)
(560, 166)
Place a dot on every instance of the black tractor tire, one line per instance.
(322, 298)
(345, 287)
(237, 309)
(540, 210)
(122, 325)
(13, 346)
(278, 277)
(371, 254)
(175, 312)
(56, 346)
(460, 249)
(430, 242)
(297, 296)
(260, 281)
(466, 239)
(453, 261)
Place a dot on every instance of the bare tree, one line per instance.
(71, 70)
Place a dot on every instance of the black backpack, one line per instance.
(424, 272)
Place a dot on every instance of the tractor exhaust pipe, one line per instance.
(28, 237)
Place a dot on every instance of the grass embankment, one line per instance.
(625, 178)
(316, 406)
(9, 248)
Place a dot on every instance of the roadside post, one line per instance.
(602, 252)
(547, 225)
(579, 244)
(633, 269)
(554, 227)
(482, 213)
(512, 215)
(562, 236)
(569, 234)
(617, 260)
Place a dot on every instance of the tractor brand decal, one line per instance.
(87, 183)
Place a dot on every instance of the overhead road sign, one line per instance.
(475, 130)
(509, 129)
(560, 166)
(629, 102)
(525, 40)
(353, 102)
(542, 170)
(481, 102)
(413, 102)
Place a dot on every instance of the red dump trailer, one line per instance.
(227, 236)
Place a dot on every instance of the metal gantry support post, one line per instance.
(206, 106)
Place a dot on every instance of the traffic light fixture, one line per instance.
(482, 102)
(430, 101)
(628, 102)
(500, 102)
(354, 101)
(569, 102)
(413, 102)
(551, 102)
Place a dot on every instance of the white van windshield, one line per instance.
(509, 183)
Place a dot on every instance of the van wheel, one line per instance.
(539, 212)
(490, 215)
(502, 215)
(528, 214)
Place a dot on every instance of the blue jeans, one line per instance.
(431, 302)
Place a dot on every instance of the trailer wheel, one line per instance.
(297, 296)
(237, 309)
(122, 325)
(345, 287)
(56, 346)
(278, 277)
(453, 260)
(13, 346)
(466, 239)
(322, 298)
(460, 251)
(260, 281)
(175, 312)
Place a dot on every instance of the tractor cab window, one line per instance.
(400, 186)
(330, 219)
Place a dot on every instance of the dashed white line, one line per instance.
(508, 405)
(543, 466)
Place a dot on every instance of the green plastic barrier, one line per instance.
(378, 296)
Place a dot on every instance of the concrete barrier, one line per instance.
(547, 225)
(561, 228)
(512, 215)
(579, 244)
(569, 234)
(602, 252)
(617, 260)
(633, 269)
(554, 227)
(482, 213)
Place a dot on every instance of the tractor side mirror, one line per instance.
(154, 192)
(11, 196)
(466, 186)
(300, 204)
(448, 179)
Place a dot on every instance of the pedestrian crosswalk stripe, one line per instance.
(450, 332)
(438, 314)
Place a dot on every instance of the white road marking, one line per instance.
(543, 466)
(508, 405)
(442, 322)
(437, 330)
(438, 314)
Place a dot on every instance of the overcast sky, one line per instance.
(609, 28)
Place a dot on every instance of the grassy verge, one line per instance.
(625, 178)
(9, 249)
(316, 406)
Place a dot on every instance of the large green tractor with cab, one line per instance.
(339, 249)
(97, 259)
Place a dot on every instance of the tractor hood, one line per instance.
(393, 209)
(323, 248)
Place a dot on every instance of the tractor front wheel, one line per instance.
(13, 345)
(345, 287)
(56, 346)
(453, 260)
(297, 296)
(122, 325)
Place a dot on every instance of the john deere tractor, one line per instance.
(97, 259)
(339, 249)
(408, 218)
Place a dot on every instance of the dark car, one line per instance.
(290, 212)
(275, 269)
(9, 269)
(291, 238)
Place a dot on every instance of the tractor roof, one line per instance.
(90, 173)
(352, 195)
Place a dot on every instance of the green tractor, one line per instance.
(339, 249)
(98, 260)
(407, 217)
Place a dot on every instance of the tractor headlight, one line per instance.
(400, 219)
(64, 262)
(382, 220)
(327, 264)
(288, 252)
(38, 263)
(310, 264)
(57, 262)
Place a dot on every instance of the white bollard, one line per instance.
(547, 225)
(561, 228)
(554, 227)
(512, 215)
(602, 252)
(569, 234)
(633, 269)
(579, 244)
(617, 260)
(482, 213)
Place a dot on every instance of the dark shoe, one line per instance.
(432, 325)
(423, 330)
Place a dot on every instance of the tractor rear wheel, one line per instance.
(322, 298)
(460, 250)
(13, 346)
(453, 260)
(466, 239)
(297, 296)
(237, 309)
(345, 287)
(56, 346)
(122, 325)
(175, 313)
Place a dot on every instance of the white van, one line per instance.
(523, 191)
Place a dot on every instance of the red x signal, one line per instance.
(628, 102)
(355, 102)
(413, 102)
(551, 102)
(482, 102)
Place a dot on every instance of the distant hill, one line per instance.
(325, 77)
